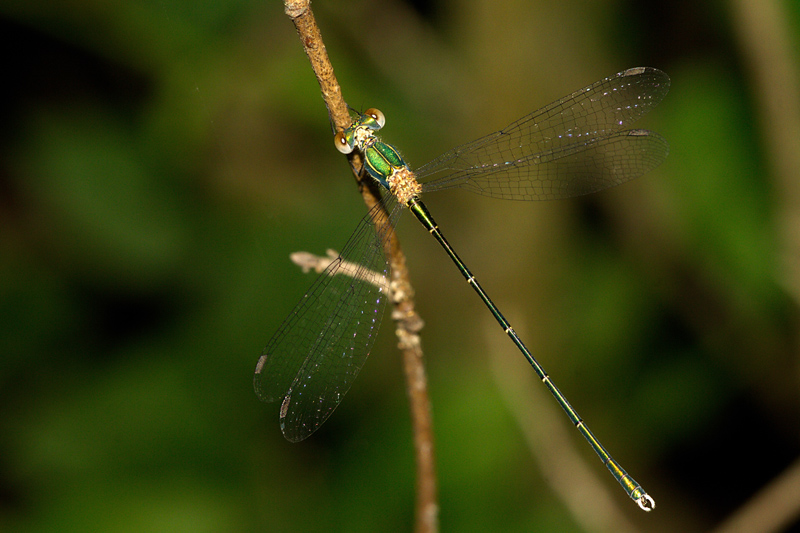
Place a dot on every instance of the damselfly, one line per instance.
(574, 146)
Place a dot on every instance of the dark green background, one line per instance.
(159, 160)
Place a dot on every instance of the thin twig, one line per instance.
(773, 508)
(407, 322)
(308, 262)
(768, 43)
(768, 46)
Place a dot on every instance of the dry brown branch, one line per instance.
(767, 44)
(407, 322)
(774, 508)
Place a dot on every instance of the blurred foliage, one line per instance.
(159, 161)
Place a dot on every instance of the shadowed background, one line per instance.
(159, 160)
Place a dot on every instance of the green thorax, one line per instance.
(382, 160)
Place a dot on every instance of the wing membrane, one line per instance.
(529, 159)
(311, 361)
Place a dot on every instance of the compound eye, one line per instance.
(377, 116)
(341, 143)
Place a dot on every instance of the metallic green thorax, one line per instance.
(382, 160)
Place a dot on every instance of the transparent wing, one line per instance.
(573, 146)
(311, 361)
